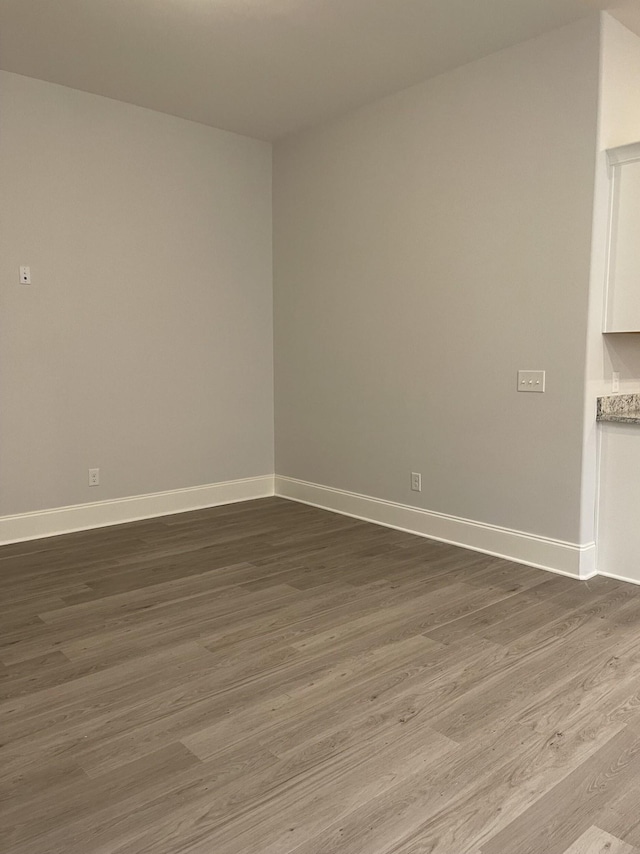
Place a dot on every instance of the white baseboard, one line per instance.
(626, 578)
(80, 517)
(577, 561)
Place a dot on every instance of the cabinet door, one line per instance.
(623, 287)
(618, 531)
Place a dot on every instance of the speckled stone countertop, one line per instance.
(623, 408)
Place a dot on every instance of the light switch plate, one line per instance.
(531, 381)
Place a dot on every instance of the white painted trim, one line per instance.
(624, 153)
(619, 577)
(577, 561)
(607, 295)
(572, 559)
(80, 517)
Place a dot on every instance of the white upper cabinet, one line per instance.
(623, 266)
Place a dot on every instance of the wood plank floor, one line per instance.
(267, 678)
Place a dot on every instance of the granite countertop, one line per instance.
(622, 408)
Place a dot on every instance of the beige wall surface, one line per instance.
(143, 345)
(425, 249)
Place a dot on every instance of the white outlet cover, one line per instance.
(531, 381)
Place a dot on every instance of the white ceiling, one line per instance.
(265, 68)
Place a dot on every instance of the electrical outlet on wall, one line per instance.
(416, 481)
(94, 477)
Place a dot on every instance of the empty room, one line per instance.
(319, 427)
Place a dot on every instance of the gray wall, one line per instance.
(144, 344)
(425, 248)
